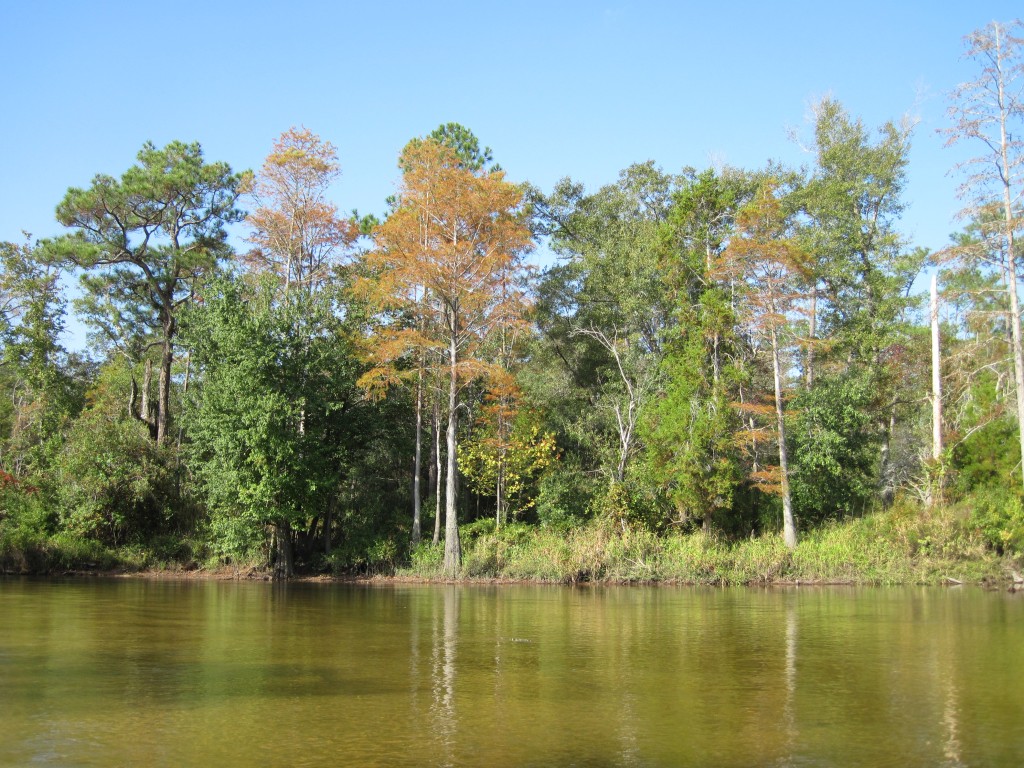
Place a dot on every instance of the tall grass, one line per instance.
(904, 545)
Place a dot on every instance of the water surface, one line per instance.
(153, 673)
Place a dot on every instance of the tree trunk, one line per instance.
(452, 547)
(417, 471)
(499, 513)
(936, 373)
(437, 473)
(788, 524)
(145, 410)
(284, 565)
(1018, 347)
(888, 491)
(163, 405)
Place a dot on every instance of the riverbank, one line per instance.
(897, 547)
(891, 548)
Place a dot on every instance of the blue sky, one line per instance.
(578, 89)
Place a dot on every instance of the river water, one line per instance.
(163, 673)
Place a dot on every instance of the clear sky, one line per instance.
(578, 89)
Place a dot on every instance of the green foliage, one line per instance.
(268, 423)
(628, 505)
(643, 372)
(997, 512)
(466, 146)
(40, 381)
(113, 484)
(690, 429)
(427, 559)
(602, 313)
(28, 543)
(835, 460)
(147, 241)
(565, 495)
(690, 436)
(989, 456)
(905, 545)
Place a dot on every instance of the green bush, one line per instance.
(998, 514)
(113, 482)
(565, 492)
(427, 558)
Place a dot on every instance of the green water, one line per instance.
(145, 673)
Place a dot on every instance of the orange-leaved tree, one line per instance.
(764, 263)
(446, 256)
(297, 233)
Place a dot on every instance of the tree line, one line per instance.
(730, 350)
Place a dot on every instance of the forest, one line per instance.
(724, 375)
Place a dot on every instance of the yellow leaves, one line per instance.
(247, 182)
(520, 459)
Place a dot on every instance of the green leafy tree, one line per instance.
(42, 389)
(690, 429)
(978, 378)
(146, 241)
(834, 454)
(856, 278)
(603, 313)
(261, 372)
(508, 465)
(113, 484)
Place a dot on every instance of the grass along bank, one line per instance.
(902, 545)
(898, 546)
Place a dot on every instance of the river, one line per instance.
(185, 673)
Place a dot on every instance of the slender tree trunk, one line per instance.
(145, 412)
(936, 373)
(164, 391)
(935, 484)
(146, 406)
(788, 524)
(499, 514)
(417, 471)
(452, 547)
(1018, 347)
(437, 473)
(888, 491)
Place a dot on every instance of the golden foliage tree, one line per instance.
(447, 256)
(766, 263)
(297, 234)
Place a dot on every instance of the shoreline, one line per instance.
(227, 574)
